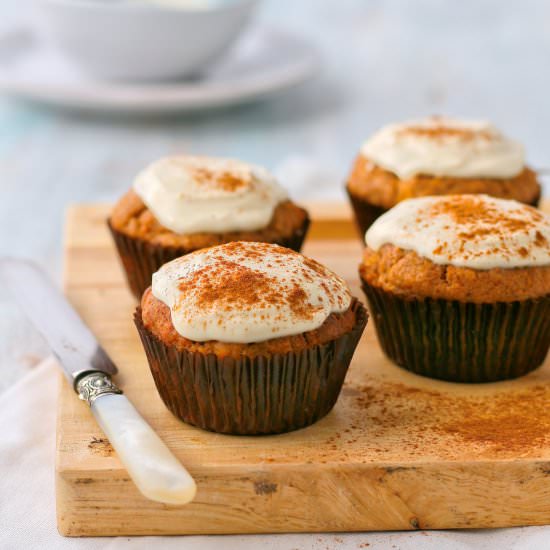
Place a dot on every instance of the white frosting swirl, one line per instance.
(248, 292)
(213, 195)
(475, 231)
(439, 146)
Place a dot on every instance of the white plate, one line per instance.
(264, 61)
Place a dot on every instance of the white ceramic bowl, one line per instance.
(131, 40)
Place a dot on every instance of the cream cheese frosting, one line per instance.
(246, 292)
(474, 231)
(189, 194)
(438, 146)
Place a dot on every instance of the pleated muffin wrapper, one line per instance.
(459, 341)
(366, 213)
(252, 395)
(141, 258)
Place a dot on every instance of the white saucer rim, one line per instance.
(174, 96)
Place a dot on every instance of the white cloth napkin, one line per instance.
(27, 496)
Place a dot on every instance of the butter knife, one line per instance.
(154, 469)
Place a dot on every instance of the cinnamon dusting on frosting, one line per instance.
(471, 210)
(474, 231)
(229, 281)
(189, 194)
(540, 239)
(440, 131)
(224, 179)
(235, 285)
(481, 220)
(248, 292)
(444, 147)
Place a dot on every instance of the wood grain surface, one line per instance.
(397, 452)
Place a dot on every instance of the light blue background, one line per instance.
(384, 60)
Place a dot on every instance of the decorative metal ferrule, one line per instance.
(90, 386)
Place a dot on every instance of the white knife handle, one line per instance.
(157, 473)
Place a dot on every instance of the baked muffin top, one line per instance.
(132, 217)
(191, 194)
(460, 247)
(382, 188)
(440, 156)
(439, 146)
(246, 292)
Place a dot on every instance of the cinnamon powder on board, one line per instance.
(513, 421)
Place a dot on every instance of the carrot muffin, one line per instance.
(181, 204)
(437, 156)
(249, 338)
(459, 286)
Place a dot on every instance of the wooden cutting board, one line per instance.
(397, 452)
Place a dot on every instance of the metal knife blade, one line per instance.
(156, 472)
(70, 339)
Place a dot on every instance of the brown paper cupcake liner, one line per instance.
(461, 342)
(365, 213)
(140, 258)
(535, 202)
(250, 396)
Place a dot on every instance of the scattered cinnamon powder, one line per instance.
(506, 422)
(228, 281)
(440, 132)
(540, 240)
(473, 210)
(481, 220)
(315, 266)
(232, 283)
(224, 180)
(299, 303)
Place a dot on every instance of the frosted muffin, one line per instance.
(249, 338)
(437, 156)
(459, 286)
(181, 204)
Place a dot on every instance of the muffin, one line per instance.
(459, 286)
(181, 204)
(249, 338)
(437, 156)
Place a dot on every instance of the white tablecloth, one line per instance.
(27, 496)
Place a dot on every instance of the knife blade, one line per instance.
(154, 469)
(70, 339)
